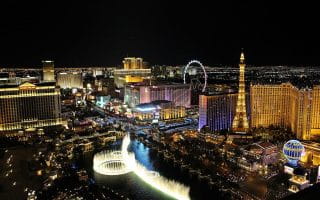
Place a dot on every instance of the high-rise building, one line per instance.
(286, 106)
(29, 106)
(270, 104)
(48, 71)
(302, 125)
(134, 71)
(70, 80)
(179, 94)
(240, 121)
(133, 63)
(315, 112)
(218, 110)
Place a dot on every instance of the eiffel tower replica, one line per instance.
(240, 121)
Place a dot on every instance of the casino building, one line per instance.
(217, 110)
(48, 71)
(159, 110)
(70, 79)
(26, 106)
(29, 106)
(179, 94)
(285, 105)
(134, 71)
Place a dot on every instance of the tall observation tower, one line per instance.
(240, 121)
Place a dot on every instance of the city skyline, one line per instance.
(159, 100)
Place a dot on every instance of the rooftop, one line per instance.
(36, 84)
(265, 145)
(172, 84)
(149, 107)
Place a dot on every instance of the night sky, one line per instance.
(162, 32)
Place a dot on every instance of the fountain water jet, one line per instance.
(154, 179)
(109, 163)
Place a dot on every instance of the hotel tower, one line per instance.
(240, 121)
(48, 71)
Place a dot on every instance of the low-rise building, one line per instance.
(159, 110)
(298, 181)
(265, 152)
(312, 153)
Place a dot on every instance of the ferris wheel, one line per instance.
(203, 69)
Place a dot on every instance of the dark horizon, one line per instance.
(102, 33)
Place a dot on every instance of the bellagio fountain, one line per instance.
(113, 163)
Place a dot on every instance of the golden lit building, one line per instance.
(70, 80)
(48, 71)
(134, 71)
(268, 105)
(284, 105)
(172, 113)
(298, 182)
(302, 120)
(133, 79)
(143, 115)
(312, 153)
(315, 113)
(159, 110)
(28, 106)
(133, 63)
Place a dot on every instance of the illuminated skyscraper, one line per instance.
(217, 111)
(270, 105)
(315, 113)
(133, 63)
(48, 71)
(240, 121)
(302, 125)
(70, 80)
(134, 71)
(286, 106)
(29, 106)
